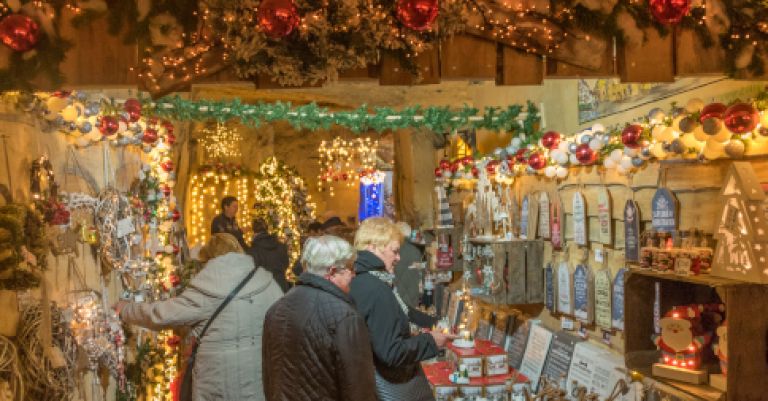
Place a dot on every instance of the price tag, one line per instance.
(599, 255)
(567, 323)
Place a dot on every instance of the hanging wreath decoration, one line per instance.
(299, 42)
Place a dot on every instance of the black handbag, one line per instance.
(185, 391)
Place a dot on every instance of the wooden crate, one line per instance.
(747, 329)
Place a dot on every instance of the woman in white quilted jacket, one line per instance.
(228, 365)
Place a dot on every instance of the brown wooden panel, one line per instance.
(518, 68)
(559, 69)
(467, 57)
(96, 57)
(650, 61)
(391, 72)
(360, 74)
(747, 342)
(267, 82)
(693, 58)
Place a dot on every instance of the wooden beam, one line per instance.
(391, 72)
(467, 57)
(518, 68)
(649, 61)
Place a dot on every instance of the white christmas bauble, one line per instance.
(561, 172)
(657, 130)
(694, 105)
(657, 150)
(563, 146)
(631, 152)
(626, 163)
(574, 160)
(616, 155)
(550, 171)
(596, 144)
(609, 163)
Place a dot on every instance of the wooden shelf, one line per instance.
(703, 279)
(684, 391)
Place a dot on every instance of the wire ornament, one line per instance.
(112, 207)
(11, 382)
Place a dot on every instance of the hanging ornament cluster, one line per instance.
(418, 15)
(696, 131)
(277, 18)
(669, 12)
(347, 161)
(221, 142)
(19, 32)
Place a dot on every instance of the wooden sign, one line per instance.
(595, 368)
(556, 219)
(664, 211)
(604, 216)
(549, 288)
(536, 354)
(603, 299)
(579, 219)
(533, 216)
(515, 344)
(617, 302)
(559, 357)
(583, 299)
(544, 224)
(524, 213)
(631, 231)
(564, 294)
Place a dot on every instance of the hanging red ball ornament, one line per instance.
(417, 14)
(741, 118)
(166, 190)
(150, 136)
(491, 168)
(454, 167)
(475, 171)
(712, 110)
(134, 115)
(19, 32)
(167, 166)
(132, 104)
(550, 140)
(445, 164)
(669, 12)
(108, 125)
(277, 18)
(630, 137)
(467, 160)
(537, 161)
(520, 156)
(176, 215)
(585, 154)
(438, 172)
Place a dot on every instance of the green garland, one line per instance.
(313, 117)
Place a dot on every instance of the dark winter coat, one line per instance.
(223, 224)
(396, 353)
(268, 252)
(407, 280)
(316, 346)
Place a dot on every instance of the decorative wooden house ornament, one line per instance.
(583, 294)
(664, 211)
(742, 229)
(564, 289)
(617, 302)
(603, 299)
(544, 215)
(579, 219)
(631, 231)
(557, 231)
(604, 216)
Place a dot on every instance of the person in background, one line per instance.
(316, 345)
(333, 225)
(397, 351)
(314, 229)
(226, 221)
(228, 366)
(268, 252)
(408, 276)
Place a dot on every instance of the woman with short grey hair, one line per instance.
(314, 334)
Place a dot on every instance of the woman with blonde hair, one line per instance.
(397, 350)
(224, 305)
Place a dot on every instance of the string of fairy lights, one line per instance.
(347, 161)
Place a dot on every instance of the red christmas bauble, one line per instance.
(445, 164)
(454, 167)
(173, 341)
(491, 168)
(134, 115)
(712, 110)
(176, 215)
(167, 166)
(150, 136)
(174, 280)
(19, 32)
(585, 154)
(108, 125)
(475, 171)
(550, 140)
(438, 172)
(277, 18)
(741, 118)
(537, 161)
(132, 105)
(417, 14)
(467, 160)
(520, 156)
(630, 137)
(166, 190)
(669, 12)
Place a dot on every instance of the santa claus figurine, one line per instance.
(682, 339)
(721, 348)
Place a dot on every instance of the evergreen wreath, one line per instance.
(333, 36)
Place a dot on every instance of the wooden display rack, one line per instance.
(747, 345)
(523, 277)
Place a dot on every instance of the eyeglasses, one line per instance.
(348, 267)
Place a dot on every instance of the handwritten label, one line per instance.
(536, 354)
(579, 219)
(603, 299)
(549, 288)
(604, 216)
(564, 299)
(544, 215)
(631, 231)
(664, 211)
(524, 211)
(617, 303)
(582, 294)
(556, 218)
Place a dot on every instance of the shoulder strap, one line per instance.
(226, 301)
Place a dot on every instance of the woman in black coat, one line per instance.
(397, 350)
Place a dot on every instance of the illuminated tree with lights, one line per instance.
(281, 199)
